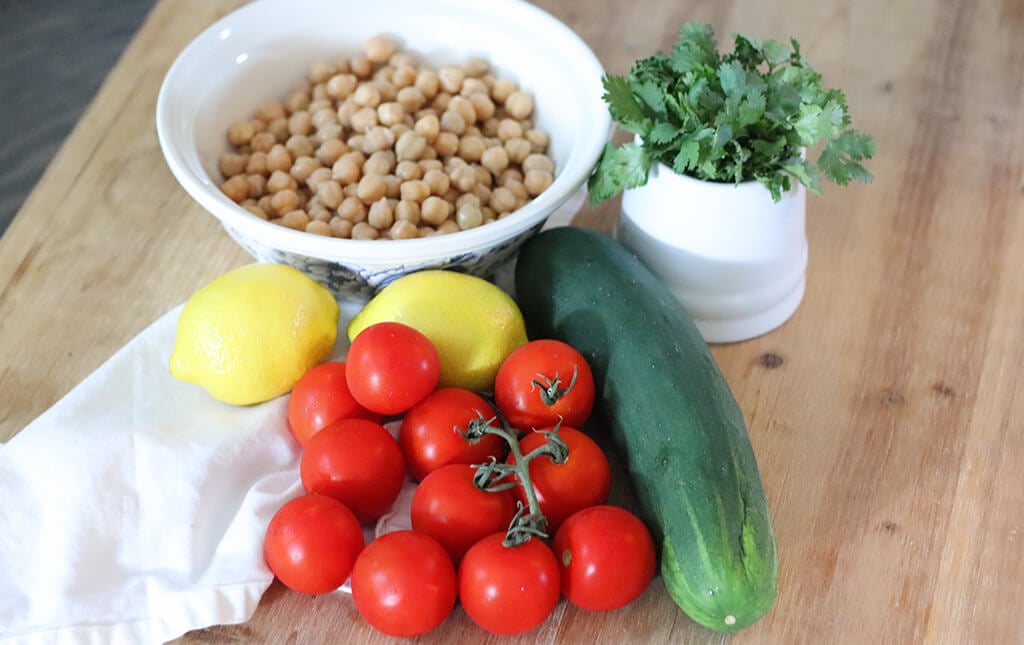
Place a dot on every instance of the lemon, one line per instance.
(248, 335)
(473, 324)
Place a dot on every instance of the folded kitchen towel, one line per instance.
(134, 509)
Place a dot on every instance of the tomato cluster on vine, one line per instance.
(509, 512)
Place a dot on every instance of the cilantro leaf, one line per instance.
(622, 104)
(748, 114)
(619, 169)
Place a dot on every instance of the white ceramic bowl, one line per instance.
(259, 51)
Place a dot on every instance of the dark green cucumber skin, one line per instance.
(672, 417)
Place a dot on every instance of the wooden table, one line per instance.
(890, 437)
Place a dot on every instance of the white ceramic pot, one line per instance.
(734, 258)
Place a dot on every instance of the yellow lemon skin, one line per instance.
(473, 323)
(251, 333)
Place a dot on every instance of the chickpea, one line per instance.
(441, 101)
(482, 192)
(495, 159)
(297, 101)
(340, 227)
(371, 188)
(519, 105)
(427, 82)
(257, 164)
(330, 151)
(471, 147)
(379, 49)
(490, 127)
(434, 210)
(262, 142)
(330, 194)
(257, 186)
(410, 146)
(320, 71)
(472, 86)
(427, 127)
(279, 159)
(509, 174)
(483, 106)
(320, 101)
(390, 113)
(264, 204)
(236, 188)
(537, 161)
(257, 211)
(537, 181)
(364, 119)
(502, 200)
(381, 162)
(453, 122)
(367, 95)
(415, 190)
(516, 187)
(469, 216)
(438, 181)
(538, 139)
(352, 209)
(411, 99)
(341, 86)
(318, 227)
(318, 176)
(299, 145)
(279, 128)
(408, 211)
(403, 230)
(361, 66)
(381, 216)
(394, 188)
(463, 178)
(347, 170)
(448, 226)
(232, 164)
(431, 164)
(483, 176)
(241, 133)
(447, 144)
(476, 67)
(303, 167)
(464, 107)
(280, 180)
(451, 78)
(270, 110)
(318, 212)
(387, 89)
(406, 170)
(284, 201)
(328, 131)
(363, 231)
(355, 141)
(501, 89)
(345, 111)
(300, 123)
(404, 75)
(518, 149)
(378, 138)
(509, 129)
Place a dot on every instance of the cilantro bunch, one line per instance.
(746, 115)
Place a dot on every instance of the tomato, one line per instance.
(356, 462)
(508, 590)
(391, 367)
(607, 557)
(404, 583)
(321, 397)
(449, 507)
(312, 543)
(585, 479)
(430, 432)
(534, 387)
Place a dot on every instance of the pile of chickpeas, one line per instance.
(377, 146)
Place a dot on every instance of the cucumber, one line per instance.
(671, 415)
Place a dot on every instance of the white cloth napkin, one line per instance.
(134, 509)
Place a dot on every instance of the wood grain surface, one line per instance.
(886, 414)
